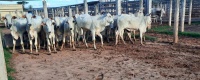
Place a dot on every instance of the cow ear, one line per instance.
(24, 16)
(34, 16)
(43, 24)
(3, 18)
(14, 17)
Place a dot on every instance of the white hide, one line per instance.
(126, 21)
(95, 24)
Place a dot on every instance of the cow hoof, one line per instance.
(73, 49)
(49, 53)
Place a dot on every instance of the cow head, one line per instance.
(29, 17)
(163, 12)
(7, 20)
(70, 22)
(109, 18)
(48, 27)
(57, 22)
(148, 20)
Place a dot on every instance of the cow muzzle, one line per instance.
(9, 25)
(29, 25)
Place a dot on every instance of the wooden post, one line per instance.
(190, 12)
(70, 11)
(176, 20)
(118, 7)
(141, 5)
(63, 12)
(85, 7)
(170, 13)
(53, 15)
(77, 11)
(3, 71)
(149, 6)
(36, 12)
(96, 9)
(45, 9)
(183, 15)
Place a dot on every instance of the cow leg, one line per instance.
(93, 39)
(84, 33)
(144, 37)
(31, 44)
(99, 34)
(108, 34)
(57, 41)
(72, 37)
(54, 46)
(22, 43)
(129, 35)
(141, 34)
(48, 43)
(121, 35)
(63, 42)
(70, 41)
(78, 39)
(160, 20)
(134, 35)
(36, 43)
(14, 43)
(116, 37)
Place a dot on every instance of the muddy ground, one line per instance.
(160, 60)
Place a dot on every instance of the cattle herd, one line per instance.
(57, 29)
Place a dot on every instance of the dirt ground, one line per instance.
(160, 60)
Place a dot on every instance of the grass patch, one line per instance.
(151, 38)
(169, 31)
(195, 23)
(147, 37)
(8, 57)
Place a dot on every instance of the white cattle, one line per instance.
(110, 30)
(18, 28)
(59, 28)
(33, 29)
(69, 27)
(95, 24)
(48, 28)
(139, 13)
(126, 21)
(158, 13)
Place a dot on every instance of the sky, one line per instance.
(50, 3)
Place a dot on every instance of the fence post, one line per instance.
(141, 5)
(3, 71)
(118, 7)
(70, 11)
(170, 13)
(183, 15)
(96, 9)
(52, 12)
(176, 20)
(85, 7)
(190, 12)
(45, 9)
(77, 10)
(149, 6)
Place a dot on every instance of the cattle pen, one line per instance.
(170, 49)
